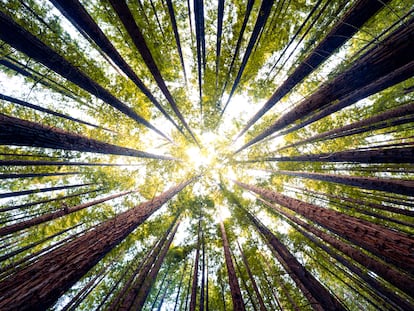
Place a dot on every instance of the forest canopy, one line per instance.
(207, 155)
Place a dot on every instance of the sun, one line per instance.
(200, 158)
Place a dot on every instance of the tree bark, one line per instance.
(236, 295)
(388, 244)
(19, 132)
(30, 45)
(393, 53)
(343, 30)
(56, 214)
(193, 299)
(318, 296)
(252, 280)
(42, 282)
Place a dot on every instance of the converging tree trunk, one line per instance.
(45, 280)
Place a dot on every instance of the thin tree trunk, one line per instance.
(193, 300)
(244, 283)
(49, 111)
(388, 118)
(163, 297)
(58, 163)
(30, 175)
(319, 297)
(41, 283)
(150, 279)
(264, 13)
(203, 272)
(220, 15)
(400, 280)
(180, 285)
(389, 245)
(40, 190)
(14, 131)
(125, 15)
(252, 280)
(56, 214)
(27, 43)
(188, 289)
(393, 53)
(236, 295)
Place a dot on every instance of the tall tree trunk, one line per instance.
(150, 279)
(58, 163)
(392, 117)
(180, 285)
(39, 190)
(393, 53)
(30, 175)
(42, 282)
(341, 32)
(319, 297)
(220, 15)
(252, 280)
(264, 13)
(236, 295)
(400, 280)
(388, 244)
(14, 131)
(398, 186)
(193, 300)
(56, 214)
(403, 154)
(127, 19)
(49, 111)
(244, 284)
(203, 271)
(30, 45)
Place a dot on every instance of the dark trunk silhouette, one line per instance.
(236, 295)
(40, 190)
(18, 132)
(193, 299)
(30, 175)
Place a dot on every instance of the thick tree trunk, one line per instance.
(193, 299)
(393, 53)
(42, 282)
(404, 187)
(343, 30)
(252, 280)
(388, 244)
(396, 116)
(236, 295)
(80, 18)
(400, 280)
(27, 43)
(372, 155)
(49, 111)
(14, 131)
(56, 214)
(125, 15)
(150, 279)
(319, 297)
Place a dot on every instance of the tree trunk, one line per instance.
(393, 53)
(42, 282)
(14, 131)
(49, 111)
(150, 278)
(400, 280)
(388, 244)
(244, 283)
(388, 118)
(372, 155)
(193, 300)
(319, 297)
(264, 13)
(125, 16)
(39, 190)
(252, 280)
(30, 175)
(404, 187)
(57, 163)
(203, 272)
(236, 295)
(30, 45)
(220, 15)
(56, 214)
(180, 285)
(343, 30)
(79, 17)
